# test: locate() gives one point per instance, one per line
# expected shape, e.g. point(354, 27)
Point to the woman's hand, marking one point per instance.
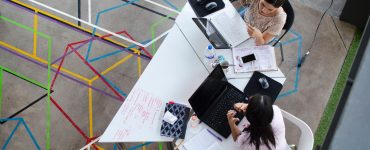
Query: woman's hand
point(241, 107)
point(230, 117)
point(235, 131)
point(254, 32)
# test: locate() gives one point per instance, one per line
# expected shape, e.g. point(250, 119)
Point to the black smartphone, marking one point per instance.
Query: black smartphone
point(248, 58)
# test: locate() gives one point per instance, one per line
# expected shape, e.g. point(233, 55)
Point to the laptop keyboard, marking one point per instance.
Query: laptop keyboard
point(217, 117)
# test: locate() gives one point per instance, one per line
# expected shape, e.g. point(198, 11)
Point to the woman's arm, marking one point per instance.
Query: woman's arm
point(235, 131)
point(266, 37)
point(261, 38)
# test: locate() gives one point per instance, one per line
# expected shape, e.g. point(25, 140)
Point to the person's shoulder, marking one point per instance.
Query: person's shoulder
point(276, 107)
point(281, 13)
point(277, 111)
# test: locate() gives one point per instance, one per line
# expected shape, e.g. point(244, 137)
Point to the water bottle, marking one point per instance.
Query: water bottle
point(209, 55)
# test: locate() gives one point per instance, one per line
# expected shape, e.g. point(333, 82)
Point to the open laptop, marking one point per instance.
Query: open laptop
point(213, 98)
point(222, 30)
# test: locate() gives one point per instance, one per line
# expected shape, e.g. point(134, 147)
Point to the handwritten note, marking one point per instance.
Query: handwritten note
point(265, 59)
point(140, 112)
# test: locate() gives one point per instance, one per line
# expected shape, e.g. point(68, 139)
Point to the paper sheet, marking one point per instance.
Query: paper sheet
point(139, 113)
point(265, 59)
point(203, 140)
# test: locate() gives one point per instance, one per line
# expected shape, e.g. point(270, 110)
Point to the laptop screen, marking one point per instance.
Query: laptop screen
point(211, 33)
point(208, 91)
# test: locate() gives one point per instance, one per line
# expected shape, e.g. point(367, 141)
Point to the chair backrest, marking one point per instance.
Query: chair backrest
point(290, 15)
point(306, 138)
point(289, 19)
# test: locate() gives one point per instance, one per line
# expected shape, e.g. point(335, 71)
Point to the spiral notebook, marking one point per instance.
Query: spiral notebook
point(265, 59)
point(202, 141)
point(178, 129)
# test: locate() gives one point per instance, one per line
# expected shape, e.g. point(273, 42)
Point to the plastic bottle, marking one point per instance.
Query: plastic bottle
point(209, 55)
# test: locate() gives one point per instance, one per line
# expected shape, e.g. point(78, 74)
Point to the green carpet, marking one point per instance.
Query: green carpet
point(331, 106)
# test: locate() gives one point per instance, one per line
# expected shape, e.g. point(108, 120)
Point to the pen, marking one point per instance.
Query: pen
point(215, 135)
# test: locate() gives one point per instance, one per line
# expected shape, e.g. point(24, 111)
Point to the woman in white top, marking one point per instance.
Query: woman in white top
point(265, 129)
point(265, 19)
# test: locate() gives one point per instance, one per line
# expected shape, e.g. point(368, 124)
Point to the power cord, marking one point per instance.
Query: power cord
point(314, 38)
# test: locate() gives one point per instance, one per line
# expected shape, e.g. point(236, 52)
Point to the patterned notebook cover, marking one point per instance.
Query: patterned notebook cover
point(178, 129)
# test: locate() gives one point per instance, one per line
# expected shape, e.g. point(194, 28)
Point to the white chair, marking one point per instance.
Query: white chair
point(306, 138)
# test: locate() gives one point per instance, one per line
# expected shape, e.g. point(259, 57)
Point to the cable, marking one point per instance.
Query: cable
point(340, 35)
point(314, 38)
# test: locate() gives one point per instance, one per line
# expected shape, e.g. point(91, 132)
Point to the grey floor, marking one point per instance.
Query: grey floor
point(316, 80)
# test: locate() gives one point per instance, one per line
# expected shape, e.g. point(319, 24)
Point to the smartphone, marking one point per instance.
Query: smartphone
point(248, 58)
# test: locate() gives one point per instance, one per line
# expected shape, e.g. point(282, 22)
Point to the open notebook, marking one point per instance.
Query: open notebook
point(202, 141)
point(265, 59)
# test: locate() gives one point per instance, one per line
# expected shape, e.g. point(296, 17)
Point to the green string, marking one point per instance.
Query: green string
point(160, 145)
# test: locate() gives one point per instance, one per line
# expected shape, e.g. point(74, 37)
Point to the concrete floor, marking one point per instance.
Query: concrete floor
point(317, 76)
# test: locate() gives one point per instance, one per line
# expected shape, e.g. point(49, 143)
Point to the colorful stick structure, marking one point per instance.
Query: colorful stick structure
point(138, 50)
point(59, 70)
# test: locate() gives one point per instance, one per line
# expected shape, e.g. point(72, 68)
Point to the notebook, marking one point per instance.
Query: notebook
point(202, 141)
point(265, 59)
point(178, 129)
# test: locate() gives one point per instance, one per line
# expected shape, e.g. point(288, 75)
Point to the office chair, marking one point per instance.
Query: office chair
point(288, 24)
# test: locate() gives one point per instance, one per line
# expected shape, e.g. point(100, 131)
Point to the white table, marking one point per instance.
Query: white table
point(174, 73)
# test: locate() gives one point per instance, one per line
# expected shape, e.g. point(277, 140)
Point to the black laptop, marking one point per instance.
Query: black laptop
point(214, 97)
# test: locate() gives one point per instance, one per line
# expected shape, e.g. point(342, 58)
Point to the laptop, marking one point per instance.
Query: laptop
point(214, 98)
point(222, 30)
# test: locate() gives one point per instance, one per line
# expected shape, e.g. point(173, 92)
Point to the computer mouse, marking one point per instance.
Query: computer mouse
point(263, 82)
point(210, 6)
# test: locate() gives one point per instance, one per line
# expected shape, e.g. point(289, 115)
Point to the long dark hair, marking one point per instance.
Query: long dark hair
point(259, 114)
point(276, 3)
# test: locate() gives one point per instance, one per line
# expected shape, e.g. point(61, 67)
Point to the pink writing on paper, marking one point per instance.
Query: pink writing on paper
point(140, 112)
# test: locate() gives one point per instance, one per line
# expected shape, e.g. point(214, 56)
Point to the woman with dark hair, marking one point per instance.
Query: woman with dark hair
point(265, 19)
point(265, 129)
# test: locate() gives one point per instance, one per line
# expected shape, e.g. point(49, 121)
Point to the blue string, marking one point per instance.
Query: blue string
point(116, 52)
point(114, 86)
point(169, 3)
point(296, 81)
point(29, 133)
point(97, 22)
point(140, 145)
point(20, 120)
point(11, 135)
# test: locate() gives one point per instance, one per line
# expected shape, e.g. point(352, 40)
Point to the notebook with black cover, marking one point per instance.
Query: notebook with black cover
point(178, 129)
point(213, 98)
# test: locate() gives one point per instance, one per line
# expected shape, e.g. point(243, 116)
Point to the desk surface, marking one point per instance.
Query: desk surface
point(167, 77)
point(174, 73)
